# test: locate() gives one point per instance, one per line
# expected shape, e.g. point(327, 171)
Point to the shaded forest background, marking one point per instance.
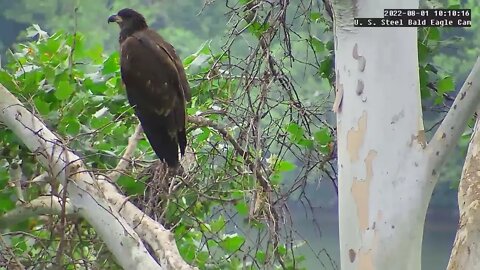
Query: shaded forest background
point(206, 29)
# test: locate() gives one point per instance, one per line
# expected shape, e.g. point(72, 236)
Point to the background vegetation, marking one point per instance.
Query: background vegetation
point(261, 72)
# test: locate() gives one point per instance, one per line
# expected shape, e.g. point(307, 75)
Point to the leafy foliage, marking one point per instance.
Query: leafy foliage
point(259, 134)
point(215, 208)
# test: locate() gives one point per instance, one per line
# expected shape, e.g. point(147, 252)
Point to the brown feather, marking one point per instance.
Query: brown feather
point(156, 85)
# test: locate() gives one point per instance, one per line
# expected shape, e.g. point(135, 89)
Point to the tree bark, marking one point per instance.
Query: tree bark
point(86, 194)
point(466, 247)
point(386, 169)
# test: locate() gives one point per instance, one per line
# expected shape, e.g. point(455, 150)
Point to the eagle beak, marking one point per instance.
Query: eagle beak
point(115, 18)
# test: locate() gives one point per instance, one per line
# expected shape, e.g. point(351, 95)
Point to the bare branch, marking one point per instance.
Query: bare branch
point(14, 262)
point(41, 179)
point(125, 160)
point(160, 240)
point(15, 178)
point(202, 121)
point(43, 205)
point(452, 127)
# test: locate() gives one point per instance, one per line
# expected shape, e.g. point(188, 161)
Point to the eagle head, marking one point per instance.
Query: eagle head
point(129, 21)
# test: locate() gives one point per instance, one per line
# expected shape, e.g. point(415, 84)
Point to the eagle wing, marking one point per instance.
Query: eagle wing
point(157, 87)
point(169, 50)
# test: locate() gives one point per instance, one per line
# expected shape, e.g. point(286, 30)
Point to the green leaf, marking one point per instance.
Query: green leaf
point(19, 243)
point(295, 131)
point(211, 244)
point(99, 122)
point(314, 16)
point(423, 52)
point(187, 251)
point(204, 135)
point(95, 87)
point(323, 136)
point(454, 6)
point(433, 33)
point(63, 90)
point(188, 60)
point(424, 92)
point(7, 80)
point(317, 45)
point(325, 69)
point(131, 186)
point(202, 257)
point(242, 208)
point(218, 224)
point(438, 100)
point(232, 243)
point(276, 178)
point(305, 143)
point(204, 49)
point(258, 29)
point(95, 53)
point(6, 203)
point(73, 127)
point(285, 166)
point(260, 256)
point(237, 194)
point(445, 85)
point(111, 65)
point(42, 106)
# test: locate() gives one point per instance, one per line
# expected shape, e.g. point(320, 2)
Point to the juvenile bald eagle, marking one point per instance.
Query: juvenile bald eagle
point(156, 84)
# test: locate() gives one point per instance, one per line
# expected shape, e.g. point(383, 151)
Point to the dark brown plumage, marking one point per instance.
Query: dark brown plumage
point(156, 84)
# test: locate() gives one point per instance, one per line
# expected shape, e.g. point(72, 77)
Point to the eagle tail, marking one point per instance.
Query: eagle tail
point(157, 129)
point(182, 141)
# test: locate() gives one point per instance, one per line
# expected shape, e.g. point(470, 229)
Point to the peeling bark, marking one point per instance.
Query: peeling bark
point(88, 197)
point(466, 248)
point(386, 168)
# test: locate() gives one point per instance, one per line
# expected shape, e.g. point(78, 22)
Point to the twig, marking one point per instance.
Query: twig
point(119, 237)
point(4, 246)
point(202, 121)
point(43, 205)
point(127, 156)
point(160, 239)
point(15, 180)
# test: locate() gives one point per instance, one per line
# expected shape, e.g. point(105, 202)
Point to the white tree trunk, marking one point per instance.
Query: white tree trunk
point(88, 197)
point(466, 249)
point(386, 169)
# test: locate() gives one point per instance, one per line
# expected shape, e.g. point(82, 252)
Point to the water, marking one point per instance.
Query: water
point(439, 234)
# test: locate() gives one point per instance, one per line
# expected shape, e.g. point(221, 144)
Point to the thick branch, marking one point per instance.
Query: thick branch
point(82, 189)
point(125, 160)
point(15, 179)
point(452, 127)
point(160, 240)
point(44, 205)
point(466, 246)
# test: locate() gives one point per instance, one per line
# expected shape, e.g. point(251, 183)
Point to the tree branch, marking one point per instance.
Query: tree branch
point(43, 205)
point(202, 121)
point(125, 160)
point(465, 248)
point(15, 179)
point(160, 240)
point(83, 191)
point(452, 127)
